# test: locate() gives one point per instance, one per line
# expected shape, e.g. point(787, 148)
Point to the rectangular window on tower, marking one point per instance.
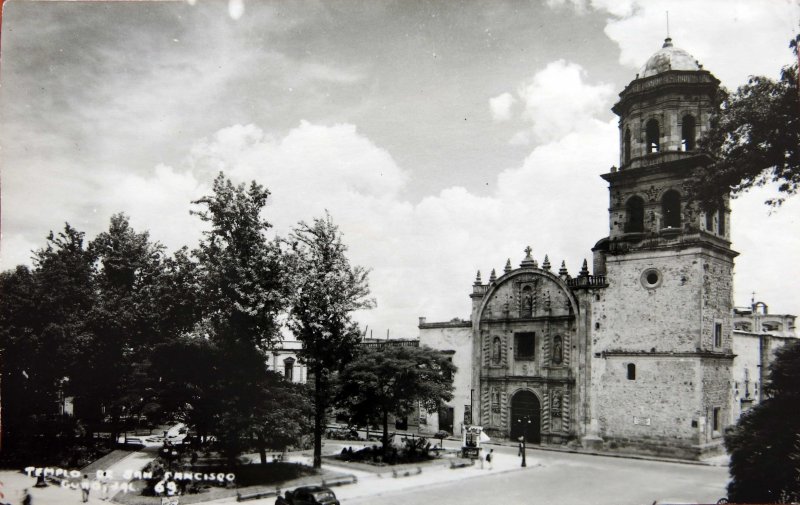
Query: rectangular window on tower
point(717, 334)
point(525, 346)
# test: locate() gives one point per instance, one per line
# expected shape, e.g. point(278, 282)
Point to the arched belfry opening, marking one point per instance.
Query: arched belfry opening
point(653, 134)
point(526, 417)
point(671, 209)
point(688, 140)
point(626, 146)
point(634, 212)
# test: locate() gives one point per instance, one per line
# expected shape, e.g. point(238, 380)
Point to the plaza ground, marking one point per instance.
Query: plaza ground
point(550, 477)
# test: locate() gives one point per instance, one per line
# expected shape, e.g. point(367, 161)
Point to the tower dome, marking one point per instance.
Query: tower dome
point(669, 57)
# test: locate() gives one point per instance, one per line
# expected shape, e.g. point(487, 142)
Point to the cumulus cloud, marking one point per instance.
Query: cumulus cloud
point(501, 106)
point(521, 138)
point(235, 8)
point(557, 100)
point(635, 26)
point(769, 250)
point(424, 255)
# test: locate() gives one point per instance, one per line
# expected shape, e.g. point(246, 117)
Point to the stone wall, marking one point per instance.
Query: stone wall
point(717, 302)
point(656, 409)
point(746, 373)
point(632, 317)
point(451, 336)
point(717, 392)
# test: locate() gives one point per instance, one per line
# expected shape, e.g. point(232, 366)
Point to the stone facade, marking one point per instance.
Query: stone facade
point(637, 356)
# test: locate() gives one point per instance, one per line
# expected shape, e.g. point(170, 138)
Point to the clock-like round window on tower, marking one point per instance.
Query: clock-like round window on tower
point(651, 278)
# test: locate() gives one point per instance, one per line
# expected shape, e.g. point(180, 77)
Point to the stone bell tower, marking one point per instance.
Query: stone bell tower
point(661, 331)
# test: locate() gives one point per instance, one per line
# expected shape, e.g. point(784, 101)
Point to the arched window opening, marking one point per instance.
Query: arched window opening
point(626, 146)
point(631, 372)
point(710, 213)
point(671, 209)
point(688, 133)
point(634, 212)
point(721, 221)
point(653, 136)
point(288, 369)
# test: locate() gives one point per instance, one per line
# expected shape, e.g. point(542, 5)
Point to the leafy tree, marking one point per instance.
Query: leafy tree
point(283, 416)
point(42, 332)
point(394, 380)
point(327, 290)
point(241, 283)
point(755, 138)
point(765, 443)
point(124, 320)
point(242, 274)
point(189, 387)
point(231, 395)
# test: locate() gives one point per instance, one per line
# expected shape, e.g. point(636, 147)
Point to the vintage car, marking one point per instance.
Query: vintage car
point(308, 495)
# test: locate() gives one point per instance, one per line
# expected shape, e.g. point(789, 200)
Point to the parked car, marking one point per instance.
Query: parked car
point(343, 433)
point(308, 495)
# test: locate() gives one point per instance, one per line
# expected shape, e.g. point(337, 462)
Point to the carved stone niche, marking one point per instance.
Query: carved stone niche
point(527, 290)
point(556, 402)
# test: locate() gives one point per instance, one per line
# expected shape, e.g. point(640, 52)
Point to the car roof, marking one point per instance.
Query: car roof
point(312, 488)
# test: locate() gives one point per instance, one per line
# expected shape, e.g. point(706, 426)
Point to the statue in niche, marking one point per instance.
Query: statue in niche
point(558, 353)
point(495, 400)
point(496, 351)
point(555, 406)
point(527, 302)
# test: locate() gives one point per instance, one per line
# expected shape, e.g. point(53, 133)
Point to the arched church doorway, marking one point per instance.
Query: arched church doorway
point(526, 417)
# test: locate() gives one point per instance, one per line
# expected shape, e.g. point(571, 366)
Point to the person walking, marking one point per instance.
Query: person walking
point(85, 487)
point(489, 458)
point(104, 486)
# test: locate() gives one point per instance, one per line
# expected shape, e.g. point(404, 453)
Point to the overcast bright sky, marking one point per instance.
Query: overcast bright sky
point(442, 136)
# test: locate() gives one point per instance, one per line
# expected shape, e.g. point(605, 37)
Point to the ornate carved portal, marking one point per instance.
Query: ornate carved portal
point(526, 417)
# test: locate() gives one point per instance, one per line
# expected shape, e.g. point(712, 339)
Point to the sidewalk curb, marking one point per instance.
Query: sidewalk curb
point(607, 454)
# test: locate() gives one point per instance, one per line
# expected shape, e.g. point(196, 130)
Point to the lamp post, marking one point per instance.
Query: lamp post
point(525, 421)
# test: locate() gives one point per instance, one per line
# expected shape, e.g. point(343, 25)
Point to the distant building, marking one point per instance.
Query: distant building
point(286, 362)
point(757, 334)
point(639, 354)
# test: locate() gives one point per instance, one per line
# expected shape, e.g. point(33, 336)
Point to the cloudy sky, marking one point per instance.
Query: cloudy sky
point(442, 136)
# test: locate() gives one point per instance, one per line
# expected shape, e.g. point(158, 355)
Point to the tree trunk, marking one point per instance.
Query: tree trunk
point(262, 449)
point(319, 416)
point(385, 432)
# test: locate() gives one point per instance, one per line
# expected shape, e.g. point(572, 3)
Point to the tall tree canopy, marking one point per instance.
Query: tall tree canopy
point(395, 380)
point(755, 138)
point(42, 332)
point(123, 322)
point(765, 444)
point(243, 285)
point(326, 292)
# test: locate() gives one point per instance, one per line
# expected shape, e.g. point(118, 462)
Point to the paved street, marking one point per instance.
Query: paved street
point(552, 477)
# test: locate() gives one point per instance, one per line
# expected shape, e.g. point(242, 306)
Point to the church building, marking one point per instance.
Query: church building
point(638, 354)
